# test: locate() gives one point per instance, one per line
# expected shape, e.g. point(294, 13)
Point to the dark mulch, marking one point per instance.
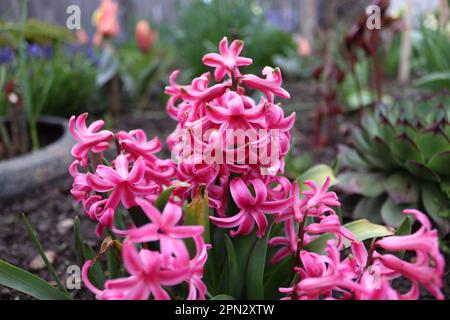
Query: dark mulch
point(45, 208)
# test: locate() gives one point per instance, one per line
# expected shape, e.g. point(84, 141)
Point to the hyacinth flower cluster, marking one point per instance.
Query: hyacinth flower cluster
point(230, 148)
point(227, 140)
point(133, 179)
point(361, 274)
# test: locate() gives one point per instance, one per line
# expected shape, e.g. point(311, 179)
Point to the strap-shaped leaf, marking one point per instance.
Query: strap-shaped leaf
point(40, 249)
point(256, 267)
point(28, 283)
point(361, 229)
point(234, 276)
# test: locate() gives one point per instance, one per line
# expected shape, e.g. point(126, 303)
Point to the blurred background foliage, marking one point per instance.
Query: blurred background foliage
point(235, 19)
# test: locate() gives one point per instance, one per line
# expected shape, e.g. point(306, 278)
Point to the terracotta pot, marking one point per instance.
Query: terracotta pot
point(31, 170)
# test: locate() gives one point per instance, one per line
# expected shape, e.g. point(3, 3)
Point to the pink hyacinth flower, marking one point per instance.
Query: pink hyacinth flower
point(317, 200)
point(164, 228)
point(228, 61)
point(338, 277)
point(233, 115)
point(424, 240)
point(148, 274)
point(80, 188)
point(135, 142)
point(275, 118)
point(313, 265)
point(430, 264)
point(125, 185)
point(88, 138)
point(331, 224)
point(270, 86)
point(419, 271)
point(197, 288)
point(289, 242)
point(252, 208)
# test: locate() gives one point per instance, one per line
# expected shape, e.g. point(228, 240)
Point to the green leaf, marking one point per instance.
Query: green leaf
point(362, 183)
point(197, 213)
point(234, 276)
point(138, 216)
point(384, 152)
point(440, 163)
point(350, 158)
point(28, 283)
point(113, 259)
point(78, 241)
point(223, 297)
point(435, 202)
point(369, 208)
point(108, 66)
point(402, 188)
point(85, 252)
point(431, 142)
point(404, 230)
point(360, 141)
point(406, 149)
point(420, 170)
point(392, 213)
point(356, 99)
point(256, 267)
point(318, 174)
point(38, 246)
point(163, 198)
point(243, 246)
point(96, 274)
point(434, 80)
point(361, 229)
point(278, 276)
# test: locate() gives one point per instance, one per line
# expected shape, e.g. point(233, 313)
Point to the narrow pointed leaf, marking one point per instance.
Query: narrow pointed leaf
point(256, 267)
point(28, 283)
point(361, 229)
point(40, 249)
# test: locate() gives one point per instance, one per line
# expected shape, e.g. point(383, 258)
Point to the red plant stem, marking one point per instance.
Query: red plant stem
point(300, 243)
point(300, 236)
point(370, 254)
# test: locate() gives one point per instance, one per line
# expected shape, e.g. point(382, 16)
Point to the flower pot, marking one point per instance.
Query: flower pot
point(31, 170)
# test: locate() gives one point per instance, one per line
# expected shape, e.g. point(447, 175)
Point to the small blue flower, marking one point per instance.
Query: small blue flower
point(34, 51)
point(48, 52)
point(6, 55)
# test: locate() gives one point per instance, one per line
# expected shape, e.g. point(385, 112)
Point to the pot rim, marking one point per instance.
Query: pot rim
point(44, 152)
